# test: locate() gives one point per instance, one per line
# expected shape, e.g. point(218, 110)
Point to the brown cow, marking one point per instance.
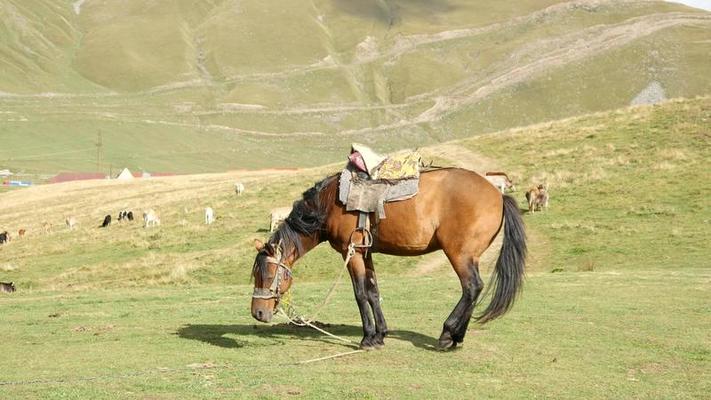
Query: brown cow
point(537, 198)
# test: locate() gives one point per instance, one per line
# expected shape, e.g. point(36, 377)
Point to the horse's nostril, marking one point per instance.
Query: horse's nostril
point(259, 314)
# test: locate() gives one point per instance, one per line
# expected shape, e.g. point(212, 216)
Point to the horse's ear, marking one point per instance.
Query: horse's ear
point(258, 245)
point(271, 249)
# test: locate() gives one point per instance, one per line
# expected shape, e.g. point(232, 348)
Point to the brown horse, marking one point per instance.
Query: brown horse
point(456, 210)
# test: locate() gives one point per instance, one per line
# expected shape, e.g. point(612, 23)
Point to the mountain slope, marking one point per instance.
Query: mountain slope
point(187, 87)
point(617, 202)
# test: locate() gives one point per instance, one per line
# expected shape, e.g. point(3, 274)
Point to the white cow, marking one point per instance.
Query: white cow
point(209, 215)
point(278, 215)
point(239, 188)
point(71, 222)
point(150, 218)
point(500, 180)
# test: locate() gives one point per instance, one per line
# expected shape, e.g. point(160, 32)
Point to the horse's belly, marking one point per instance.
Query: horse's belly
point(404, 239)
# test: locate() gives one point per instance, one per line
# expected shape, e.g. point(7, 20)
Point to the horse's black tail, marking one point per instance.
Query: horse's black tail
point(509, 271)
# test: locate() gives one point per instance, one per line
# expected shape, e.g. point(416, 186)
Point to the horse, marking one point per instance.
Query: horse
point(46, 227)
point(209, 215)
point(4, 237)
point(129, 215)
point(276, 216)
point(239, 188)
point(455, 210)
point(71, 222)
point(21, 233)
point(150, 218)
point(107, 221)
point(500, 180)
point(7, 287)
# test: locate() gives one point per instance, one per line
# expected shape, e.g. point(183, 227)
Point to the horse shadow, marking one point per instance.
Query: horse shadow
point(217, 335)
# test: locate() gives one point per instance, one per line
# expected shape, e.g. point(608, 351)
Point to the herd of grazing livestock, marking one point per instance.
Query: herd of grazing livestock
point(150, 218)
point(536, 197)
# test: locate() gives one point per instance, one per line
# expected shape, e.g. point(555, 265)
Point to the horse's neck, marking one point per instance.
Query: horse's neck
point(307, 243)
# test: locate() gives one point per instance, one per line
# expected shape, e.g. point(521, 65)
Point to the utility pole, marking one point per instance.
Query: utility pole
point(99, 151)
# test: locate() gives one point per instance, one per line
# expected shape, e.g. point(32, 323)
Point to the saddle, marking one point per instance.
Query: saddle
point(369, 180)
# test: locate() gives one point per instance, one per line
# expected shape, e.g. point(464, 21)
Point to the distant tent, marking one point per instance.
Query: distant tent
point(5, 172)
point(125, 175)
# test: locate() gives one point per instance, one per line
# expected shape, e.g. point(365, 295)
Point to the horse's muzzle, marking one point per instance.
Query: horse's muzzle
point(262, 315)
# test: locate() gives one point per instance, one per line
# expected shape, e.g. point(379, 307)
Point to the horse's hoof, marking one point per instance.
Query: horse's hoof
point(368, 344)
point(444, 345)
point(367, 347)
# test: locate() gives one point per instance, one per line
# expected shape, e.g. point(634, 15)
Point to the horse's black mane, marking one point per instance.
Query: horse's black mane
point(306, 218)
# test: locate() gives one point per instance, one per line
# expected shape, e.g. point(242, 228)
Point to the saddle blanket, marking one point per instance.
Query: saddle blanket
point(360, 194)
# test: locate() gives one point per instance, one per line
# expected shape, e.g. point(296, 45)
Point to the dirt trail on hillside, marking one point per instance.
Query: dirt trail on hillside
point(553, 53)
point(526, 63)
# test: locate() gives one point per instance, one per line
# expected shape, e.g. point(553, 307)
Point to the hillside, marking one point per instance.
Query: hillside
point(620, 199)
point(616, 288)
point(217, 85)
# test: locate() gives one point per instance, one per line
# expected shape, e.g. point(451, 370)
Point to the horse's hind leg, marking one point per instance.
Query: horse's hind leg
point(373, 294)
point(455, 327)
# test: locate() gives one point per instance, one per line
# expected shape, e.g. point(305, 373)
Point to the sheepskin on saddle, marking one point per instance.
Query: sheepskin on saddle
point(370, 180)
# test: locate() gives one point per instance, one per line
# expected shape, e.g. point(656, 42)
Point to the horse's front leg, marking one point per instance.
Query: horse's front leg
point(371, 283)
point(356, 268)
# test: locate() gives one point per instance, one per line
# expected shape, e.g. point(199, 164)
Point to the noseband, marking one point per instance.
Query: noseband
point(273, 291)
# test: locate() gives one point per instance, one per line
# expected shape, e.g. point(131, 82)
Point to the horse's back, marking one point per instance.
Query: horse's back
point(452, 205)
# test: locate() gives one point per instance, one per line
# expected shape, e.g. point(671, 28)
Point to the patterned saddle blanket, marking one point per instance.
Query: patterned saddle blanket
point(368, 189)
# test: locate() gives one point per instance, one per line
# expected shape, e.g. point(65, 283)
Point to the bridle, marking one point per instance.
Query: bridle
point(273, 291)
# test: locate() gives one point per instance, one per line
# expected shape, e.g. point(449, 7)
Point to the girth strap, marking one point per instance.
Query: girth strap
point(362, 221)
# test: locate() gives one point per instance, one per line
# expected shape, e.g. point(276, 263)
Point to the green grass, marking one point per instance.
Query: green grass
point(628, 189)
point(630, 334)
point(615, 305)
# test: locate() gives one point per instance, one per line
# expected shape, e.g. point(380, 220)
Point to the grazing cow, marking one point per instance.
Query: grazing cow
point(209, 215)
point(71, 222)
point(150, 218)
point(107, 221)
point(537, 198)
point(500, 180)
point(129, 215)
point(7, 287)
point(4, 237)
point(278, 215)
point(21, 232)
point(46, 226)
point(239, 188)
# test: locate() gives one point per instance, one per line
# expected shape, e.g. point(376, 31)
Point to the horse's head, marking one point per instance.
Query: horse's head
point(272, 279)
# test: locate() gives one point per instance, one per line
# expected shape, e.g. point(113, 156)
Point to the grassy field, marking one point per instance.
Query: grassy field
point(212, 86)
point(622, 334)
point(616, 303)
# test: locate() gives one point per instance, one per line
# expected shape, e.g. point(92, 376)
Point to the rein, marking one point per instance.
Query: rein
point(273, 291)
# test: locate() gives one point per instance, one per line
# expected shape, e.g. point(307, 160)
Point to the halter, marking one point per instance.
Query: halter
point(273, 291)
